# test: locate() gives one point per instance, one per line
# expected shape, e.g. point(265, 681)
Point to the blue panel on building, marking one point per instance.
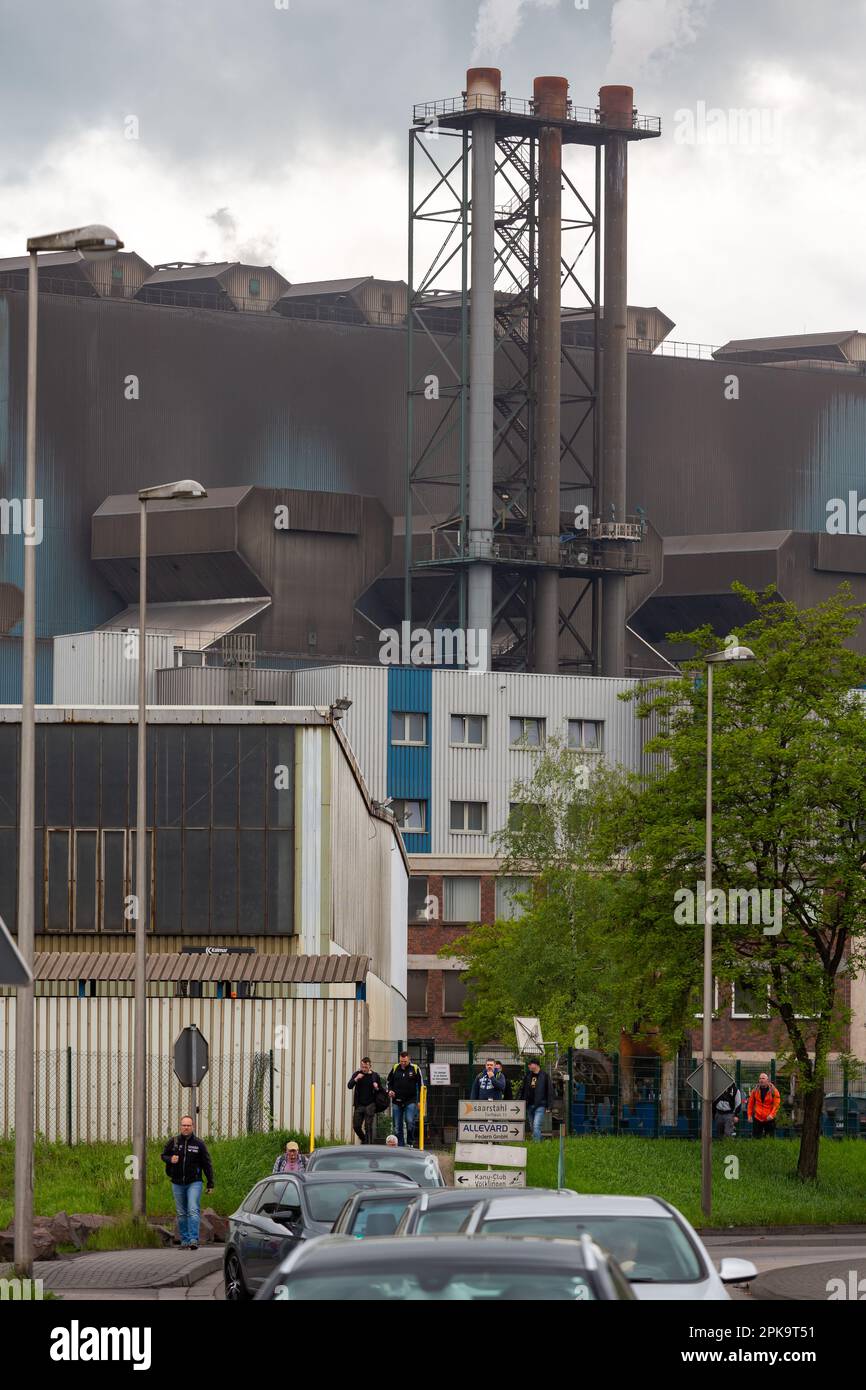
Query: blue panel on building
point(410, 690)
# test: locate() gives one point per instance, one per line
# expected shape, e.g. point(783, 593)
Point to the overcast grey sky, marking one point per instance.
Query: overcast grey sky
point(276, 130)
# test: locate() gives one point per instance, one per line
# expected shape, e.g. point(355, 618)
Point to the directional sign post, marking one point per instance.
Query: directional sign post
point(510, 1110)
point(484, 1177)
point(191, 1062)
point(14, 970)
point(497, 1131)
point(490, 1153)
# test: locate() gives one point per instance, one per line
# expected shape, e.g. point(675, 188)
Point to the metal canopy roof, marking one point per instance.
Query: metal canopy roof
point(195, 624)
point(171, 967)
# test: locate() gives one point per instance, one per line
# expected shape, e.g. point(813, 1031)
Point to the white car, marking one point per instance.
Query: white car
point(655, 1247)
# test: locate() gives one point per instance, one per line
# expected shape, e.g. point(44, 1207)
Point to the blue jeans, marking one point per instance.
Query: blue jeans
point(410, 1110)
point(536, 1119)
point(187, 1202)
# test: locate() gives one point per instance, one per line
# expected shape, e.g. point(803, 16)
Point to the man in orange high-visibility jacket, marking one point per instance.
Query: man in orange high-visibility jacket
point(763, 1107)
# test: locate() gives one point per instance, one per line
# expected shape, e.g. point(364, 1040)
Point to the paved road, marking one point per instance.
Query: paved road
point(796, 1266)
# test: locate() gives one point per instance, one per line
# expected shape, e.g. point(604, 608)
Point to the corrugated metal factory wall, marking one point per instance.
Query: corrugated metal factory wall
point(313, 1040)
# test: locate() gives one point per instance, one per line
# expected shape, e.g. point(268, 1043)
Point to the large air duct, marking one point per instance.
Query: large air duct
point(550, 96)
point(483, 87)
point(616, 107)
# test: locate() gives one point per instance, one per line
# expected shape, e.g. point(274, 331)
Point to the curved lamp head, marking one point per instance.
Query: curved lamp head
point(170, 492)
point(94, 241)
point(731, 654)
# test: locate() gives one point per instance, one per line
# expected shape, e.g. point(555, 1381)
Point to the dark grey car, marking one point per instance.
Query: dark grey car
point(419, 1164)
point(443, 1213)
point(282, 1212)
point(483, 1269)
point(373, 1212)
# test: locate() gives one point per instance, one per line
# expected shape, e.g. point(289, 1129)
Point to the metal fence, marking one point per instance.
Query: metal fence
point(639, 1096)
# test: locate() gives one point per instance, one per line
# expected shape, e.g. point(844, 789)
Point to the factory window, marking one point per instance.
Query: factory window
point(453, 991)
point(255, 287)
point(470, 816)
point(416, 991)
point(408, 728)
point(410, 815)
point(462, 899)
point(750, 1000)
point(387, 302)
point(506, 908)
point(468, 730)
point(586, 733)
point(525, 733)
point(641, 327)
point(420, 910)
point(523, 815)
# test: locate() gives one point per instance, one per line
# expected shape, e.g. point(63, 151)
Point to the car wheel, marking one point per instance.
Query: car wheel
point(236, 1289)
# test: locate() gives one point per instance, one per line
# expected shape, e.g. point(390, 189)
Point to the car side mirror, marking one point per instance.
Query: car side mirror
point(286, 1216)
point(736, 1271)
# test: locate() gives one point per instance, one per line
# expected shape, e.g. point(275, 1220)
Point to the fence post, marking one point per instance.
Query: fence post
point(616, 1106)
point(658, 1103)
point(845, 1101)
point(570, 1097)
point(271, 1088)
point(69, 1095)
point(470, 1061)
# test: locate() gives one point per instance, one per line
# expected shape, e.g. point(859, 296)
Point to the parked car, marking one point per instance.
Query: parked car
point(652, 1242)
point(373, 1211)
point(484, 1269)
point(282, 1213)
point(421, 1166)
point(443, 1213)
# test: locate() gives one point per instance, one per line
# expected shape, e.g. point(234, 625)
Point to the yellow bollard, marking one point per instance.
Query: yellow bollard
point(312, 1116)
point(422, 1114)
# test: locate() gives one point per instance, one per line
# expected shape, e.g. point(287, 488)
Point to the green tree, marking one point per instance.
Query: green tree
point(612, 861)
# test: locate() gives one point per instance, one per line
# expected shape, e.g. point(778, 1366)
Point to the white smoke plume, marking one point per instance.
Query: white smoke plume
point(644, 30)
point(255, 251)
point(497, 23)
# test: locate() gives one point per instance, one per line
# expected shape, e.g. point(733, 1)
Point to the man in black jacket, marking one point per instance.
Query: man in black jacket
point(537, 1091)
point(404, 1087)
point(365, 1082)
point(186, 1157)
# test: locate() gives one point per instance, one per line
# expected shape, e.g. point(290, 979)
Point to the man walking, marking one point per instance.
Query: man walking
point(763, 1107)
point(186, 1157)
point(404, 1087)
point(488, 1084)
point(365, 1083)
point(537, 1091)
point(726, 1110)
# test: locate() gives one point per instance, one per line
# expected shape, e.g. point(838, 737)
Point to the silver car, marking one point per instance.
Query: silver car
point(655, 1247)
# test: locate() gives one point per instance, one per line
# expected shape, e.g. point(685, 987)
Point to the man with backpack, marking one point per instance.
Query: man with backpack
point(763, 1107)
point(488, 1084)
point(404, 1087)
point(367, 1086)
point(726, 1111)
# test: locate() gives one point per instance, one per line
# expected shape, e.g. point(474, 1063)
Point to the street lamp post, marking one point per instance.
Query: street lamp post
point(732, 653)
point(165, 492)
point(93, 241)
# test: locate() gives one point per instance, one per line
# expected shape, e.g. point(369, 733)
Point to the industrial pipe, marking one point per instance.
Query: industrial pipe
point(550, 96)
point(483, 87)
point(616, 105)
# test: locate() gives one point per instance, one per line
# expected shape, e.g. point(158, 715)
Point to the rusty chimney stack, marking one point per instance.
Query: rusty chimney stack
point(616, 106)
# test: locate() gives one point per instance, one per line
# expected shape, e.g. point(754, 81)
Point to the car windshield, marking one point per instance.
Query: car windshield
point(378, 1218)
point(325, 1200)
point(651, 1248)
point(436, 1282)
point(439, 1220)
point(422, 1170)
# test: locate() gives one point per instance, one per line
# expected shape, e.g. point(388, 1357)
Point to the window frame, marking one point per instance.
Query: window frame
point(410, 1010)
point(406, 715)
point(522, 743)
point(459, 878)
point(464, 829)
point(414, 801)
point(446, 974)
point(465, 742)
point(583, 747)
